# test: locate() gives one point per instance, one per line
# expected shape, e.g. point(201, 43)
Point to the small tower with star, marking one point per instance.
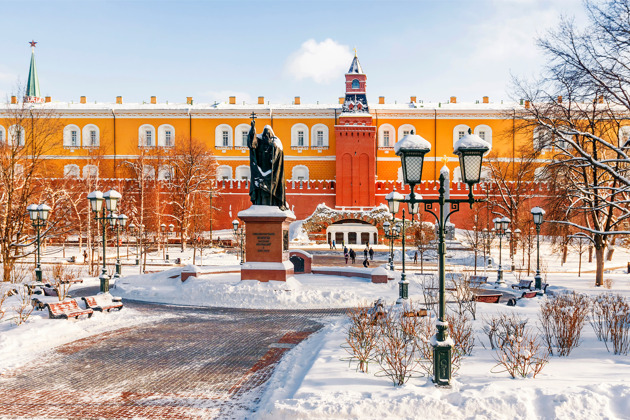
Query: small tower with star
point(32, 87)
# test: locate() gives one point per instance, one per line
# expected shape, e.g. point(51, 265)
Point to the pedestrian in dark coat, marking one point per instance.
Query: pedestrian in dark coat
point(371, 254)
point(353, 255)
point(366, 263)
point(365, 252)
point(415, 257)
point(345, 254)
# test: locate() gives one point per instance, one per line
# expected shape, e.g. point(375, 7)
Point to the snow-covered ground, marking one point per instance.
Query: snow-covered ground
point(312, 380)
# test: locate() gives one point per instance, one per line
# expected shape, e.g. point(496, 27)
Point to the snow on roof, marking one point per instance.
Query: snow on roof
point(394, 195)
point(412, 141)
point(265, 211)
point(445, 171)
point(471, 141)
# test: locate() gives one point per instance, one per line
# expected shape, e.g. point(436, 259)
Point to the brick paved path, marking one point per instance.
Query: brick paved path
point(203, 363)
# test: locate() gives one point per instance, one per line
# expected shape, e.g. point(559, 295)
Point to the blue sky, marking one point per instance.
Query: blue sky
point(277, 49)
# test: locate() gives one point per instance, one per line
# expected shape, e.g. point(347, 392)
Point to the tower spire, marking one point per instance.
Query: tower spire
point(32, 87)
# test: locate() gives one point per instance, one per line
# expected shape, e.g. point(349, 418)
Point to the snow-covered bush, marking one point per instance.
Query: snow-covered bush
point(463, 296)
point(610, 318)
point(520, 354)
point(562, 318)
point(61, 274)
point(24, 307)
point(396, 348)
point(362, 335)
point(429, 285)
point(499, 327)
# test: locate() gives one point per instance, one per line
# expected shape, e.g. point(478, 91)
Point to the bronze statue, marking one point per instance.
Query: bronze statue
point(266, 163)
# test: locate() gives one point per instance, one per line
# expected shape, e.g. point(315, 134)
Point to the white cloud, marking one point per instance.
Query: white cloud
point(323, 62)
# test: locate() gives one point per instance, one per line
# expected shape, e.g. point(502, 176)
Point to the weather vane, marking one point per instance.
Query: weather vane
point(445, 159)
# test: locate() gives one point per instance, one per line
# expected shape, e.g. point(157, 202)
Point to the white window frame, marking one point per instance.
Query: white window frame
point(240, 135)
point(300, 171)
point(87, 136)
point(12, 133)
point(381, 135)
point(316, 128)
point(538, 133)
point(3, 134)
point(624, 136)
point(90, 171)
point(456, 132)
point(242, 171)
point(71, 171)
point(165, 173)
point(67, 136)
point(218, 136)
point(162, 135)
point(406, 127)
point(487, 130)
point(142, 137)
point(295, 129)
point(222, 171)
point(148, 172)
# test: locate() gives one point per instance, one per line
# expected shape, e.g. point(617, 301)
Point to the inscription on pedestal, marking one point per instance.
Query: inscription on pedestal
point(263, 241)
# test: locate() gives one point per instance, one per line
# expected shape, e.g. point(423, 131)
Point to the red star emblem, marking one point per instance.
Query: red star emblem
point(32, 43)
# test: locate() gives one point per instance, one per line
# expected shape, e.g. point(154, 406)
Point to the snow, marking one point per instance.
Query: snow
point(394, 195)
point(471, 141)
point(412, 141)
point(265, 211)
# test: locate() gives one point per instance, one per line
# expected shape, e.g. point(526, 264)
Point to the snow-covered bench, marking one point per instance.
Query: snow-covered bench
point(66, 310)
point(103, 302)
point(477, 281)
point(523, 284)
point(489, 298)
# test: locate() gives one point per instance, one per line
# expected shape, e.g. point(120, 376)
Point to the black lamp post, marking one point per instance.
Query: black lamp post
point(163, 234)
point(538, 214)
point(501, 229)
point(38, 215)
point(239, 236)
point(96, 199)
point(514, 248)
point(171, 227)
point(118, 221)
point(412, 149)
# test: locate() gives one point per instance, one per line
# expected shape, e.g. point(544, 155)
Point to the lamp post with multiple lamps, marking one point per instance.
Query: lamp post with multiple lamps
point(118, 221)
point(96, 199)
point(239, 236)
point(501, 229)
point(538, 214)
point(38, 215)
point(392, 231)
point(412, 149)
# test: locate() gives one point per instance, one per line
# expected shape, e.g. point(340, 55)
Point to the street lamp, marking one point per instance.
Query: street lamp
point(163, 232)
point(514, 248)
point(171, 227)
point(537, 214)
point(501, 230)
point(393, 203)
point(118, 221)
point(38, 215)
point(412, 148)
point(237, 234)
point(96, 199)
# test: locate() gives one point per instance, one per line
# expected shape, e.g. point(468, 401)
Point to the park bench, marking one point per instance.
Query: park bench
point(489, 298)
point(529, 294)
point(66, 310)
point(71, 281)
point(103, 302)
point(477, 281)
point(523, 284)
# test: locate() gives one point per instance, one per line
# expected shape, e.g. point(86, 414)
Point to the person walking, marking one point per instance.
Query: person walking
point(366, 263)
point(85, 255)
point(330, 244)
point(353, 255)
point(334, 245)
point(415, 257)
point(365, 252)
point(345, 254)
point(371, 254)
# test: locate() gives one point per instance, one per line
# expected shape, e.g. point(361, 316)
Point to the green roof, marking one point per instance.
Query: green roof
point(32, 88)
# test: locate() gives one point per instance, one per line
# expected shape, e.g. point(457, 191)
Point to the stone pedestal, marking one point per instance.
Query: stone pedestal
point(267, 243)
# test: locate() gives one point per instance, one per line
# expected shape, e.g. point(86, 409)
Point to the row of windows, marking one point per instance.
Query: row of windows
point(15, 135)
point(387, 133)
point(91, 171)
point(73, 136)
point(224, 172)
point(301, 136)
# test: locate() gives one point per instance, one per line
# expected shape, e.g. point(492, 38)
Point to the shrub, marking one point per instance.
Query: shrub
point(520, 354)
point(24, 306)
point(361, 337)
point(562, 318)
point(499, 327)
point(463, 296)
point(610, 318)
point(608, 283)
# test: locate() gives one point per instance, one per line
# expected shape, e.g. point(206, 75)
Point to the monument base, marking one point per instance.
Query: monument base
point(266, 243)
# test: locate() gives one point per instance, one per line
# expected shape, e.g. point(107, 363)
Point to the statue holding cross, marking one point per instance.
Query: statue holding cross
point(266, 163)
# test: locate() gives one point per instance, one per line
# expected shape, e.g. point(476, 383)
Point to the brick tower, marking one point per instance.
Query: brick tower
point(356, 144)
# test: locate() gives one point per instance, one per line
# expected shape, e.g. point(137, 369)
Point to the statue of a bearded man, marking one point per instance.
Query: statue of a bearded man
point(266, 163)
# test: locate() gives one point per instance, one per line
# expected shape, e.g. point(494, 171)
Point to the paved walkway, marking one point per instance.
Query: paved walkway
point(203, 363)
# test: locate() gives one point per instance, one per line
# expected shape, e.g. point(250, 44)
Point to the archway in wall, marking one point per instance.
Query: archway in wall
point(352, 232)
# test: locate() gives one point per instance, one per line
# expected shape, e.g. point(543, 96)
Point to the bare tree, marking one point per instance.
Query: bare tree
point(578, 111)
point(423, 234)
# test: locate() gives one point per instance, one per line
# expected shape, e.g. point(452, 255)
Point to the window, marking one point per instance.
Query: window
point(240, 135)
point(224, 172)
point(355, 84)
point(71, 171)
point(624, 136)
point(166, 136)
point(301, 138)
point(71, 136)
point(242, 172)
point(146, 136)
point(406, 133)
point(299, 173)
point(320, 135)
point(460, 131)
point(90, 171)
point(386, 139)
point(148, 172)
point(320, 138)
point(460, 134)
point(165, 173)
point(482, 135)
point(90, 136)
point(386, 135)
point(406, 129)
point(2, 135)
point(223, 136)
point(299, 135)
point(244, 139)
point(485, 132)
point(542, 139)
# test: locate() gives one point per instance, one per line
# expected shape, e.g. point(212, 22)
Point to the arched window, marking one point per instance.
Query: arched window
point(542, 139)
point(224, 172)
point(3, 135)
point(405, 129)
point(485, 132)
point(148, 172)
point(166, 135)
point(299, 173)
point(386, 135)
point(17, 135)
point(355, 84)
point(71, 171)
point(71, 136)
point(459, 131)
point(146, 136)
point(91, 136)
point(240, 135)
point(486, 174)
point(457, 175)
point(624, 136)
point(319, 136)
point(299, 135)
point(242, 172)
point(540, 175)
point(223, 136)
point(19, 170)
point(165, 173)
point(90, 171)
